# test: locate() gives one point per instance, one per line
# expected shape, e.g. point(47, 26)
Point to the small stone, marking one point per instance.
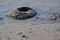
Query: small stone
point(23, 36)
point(22, 13)
point(53, 17)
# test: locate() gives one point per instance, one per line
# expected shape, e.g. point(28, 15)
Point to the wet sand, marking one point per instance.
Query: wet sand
point(36, 28)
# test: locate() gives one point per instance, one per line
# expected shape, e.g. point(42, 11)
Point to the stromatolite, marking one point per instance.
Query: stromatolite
point(22, 13)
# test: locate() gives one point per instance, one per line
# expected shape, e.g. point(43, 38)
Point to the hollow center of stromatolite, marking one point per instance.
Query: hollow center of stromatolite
point(24, 9)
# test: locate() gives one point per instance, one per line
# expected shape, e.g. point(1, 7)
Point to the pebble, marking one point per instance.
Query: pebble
point(24, 36)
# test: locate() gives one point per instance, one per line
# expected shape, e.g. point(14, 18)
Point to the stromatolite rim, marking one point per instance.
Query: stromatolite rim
point(23, 13)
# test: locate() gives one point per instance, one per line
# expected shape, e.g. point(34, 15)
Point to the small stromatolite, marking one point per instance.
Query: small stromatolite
point(55, 16)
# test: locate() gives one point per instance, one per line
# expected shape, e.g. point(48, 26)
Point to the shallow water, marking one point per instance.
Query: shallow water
point(10, 27)
point(44, 8)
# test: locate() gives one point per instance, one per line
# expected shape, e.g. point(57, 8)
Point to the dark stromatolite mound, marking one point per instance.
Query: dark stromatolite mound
point(22, 13)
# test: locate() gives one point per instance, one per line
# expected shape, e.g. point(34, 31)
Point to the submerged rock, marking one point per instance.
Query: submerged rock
point(22, 13)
